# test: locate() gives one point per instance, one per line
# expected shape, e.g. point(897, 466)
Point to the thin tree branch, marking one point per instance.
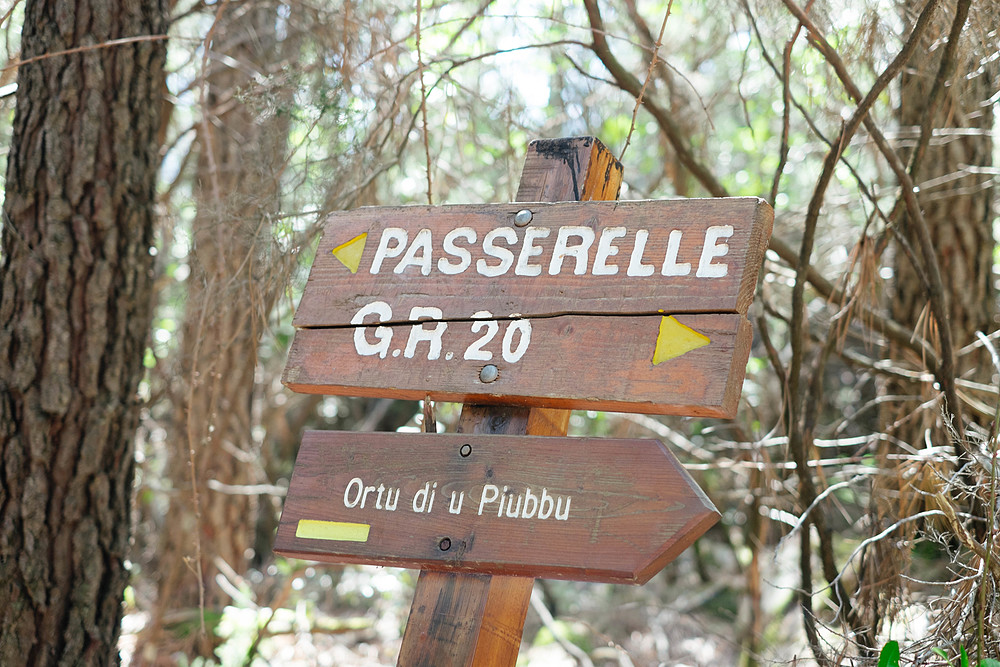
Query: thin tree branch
point(111, 43)
point(630, 84)
point(883, 324)
point(649, 75)
point(801, 406)
point(423, 107)
point(946, 70)
point(207, 143)
point(786, 112)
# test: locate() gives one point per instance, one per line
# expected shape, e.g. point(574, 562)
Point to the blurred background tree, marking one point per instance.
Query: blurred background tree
point(856, 482)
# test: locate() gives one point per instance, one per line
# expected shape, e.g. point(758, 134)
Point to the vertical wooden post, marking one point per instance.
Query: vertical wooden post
point(476, 619)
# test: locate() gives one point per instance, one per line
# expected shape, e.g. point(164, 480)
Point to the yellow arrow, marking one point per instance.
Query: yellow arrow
point(676, 339)
point(350, 253)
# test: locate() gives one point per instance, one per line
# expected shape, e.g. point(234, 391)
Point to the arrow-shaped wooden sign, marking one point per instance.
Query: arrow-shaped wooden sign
point(626, 306)
point(568, 508)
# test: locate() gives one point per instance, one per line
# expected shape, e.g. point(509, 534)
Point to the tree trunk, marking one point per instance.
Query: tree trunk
point(956, 198)
point(75, 292)
point(234, 280)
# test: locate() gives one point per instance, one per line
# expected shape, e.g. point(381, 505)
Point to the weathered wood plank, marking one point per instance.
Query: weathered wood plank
point(503, 620)
point(445, 620)
point(569, 362)
point(589, 509)
point(571, 169)
point(465, 619)
point(450, 262)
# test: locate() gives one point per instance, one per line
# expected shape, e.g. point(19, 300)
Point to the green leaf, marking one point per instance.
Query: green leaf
point(963, 658)
point(889, 657)
point(941, 653)
point(989, 662)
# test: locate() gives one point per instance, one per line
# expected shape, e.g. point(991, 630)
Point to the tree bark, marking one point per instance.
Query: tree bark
point(952, 170)
point(75, 292)
point(956, 195)
point(235, 278)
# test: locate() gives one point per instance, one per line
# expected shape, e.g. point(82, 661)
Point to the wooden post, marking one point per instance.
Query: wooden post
point(476, 619)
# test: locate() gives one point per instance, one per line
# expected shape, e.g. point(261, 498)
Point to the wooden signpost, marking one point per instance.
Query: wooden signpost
point(521, 311)
point(592, 509)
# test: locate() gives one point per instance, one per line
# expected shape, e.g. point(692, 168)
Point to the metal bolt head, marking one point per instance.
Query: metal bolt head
point(444, 544)
point(522, 218)
point(489, 373)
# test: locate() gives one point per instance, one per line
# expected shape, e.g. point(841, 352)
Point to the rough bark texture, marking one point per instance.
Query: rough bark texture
point(956, 196)
point(75, 288)
point(232, 287)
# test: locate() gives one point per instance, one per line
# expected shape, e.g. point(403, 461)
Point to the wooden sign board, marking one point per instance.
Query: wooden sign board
point(609, 258)
point(625, 306)
point(685, 364)
point(567, 508)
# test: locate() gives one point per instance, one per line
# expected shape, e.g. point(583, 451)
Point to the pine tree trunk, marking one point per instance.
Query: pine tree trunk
point(75, 292)
point(234, 281)
point(956, 196)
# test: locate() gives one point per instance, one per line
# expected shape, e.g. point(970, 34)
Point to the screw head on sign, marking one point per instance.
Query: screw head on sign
point(465, 450)
point(444, 544)
point(489, 373)
point(522, 218)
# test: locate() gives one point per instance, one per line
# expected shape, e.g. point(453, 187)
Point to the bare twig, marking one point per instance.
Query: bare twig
point(247, 489)
point(478, 14)
point(7, 14)
point(786, 110)
point(549, 622)
point(423, 107)
point(992, 469)
point(649, 75)
point(800, 405)
point(946, 70)
point(111, 43)
point(630, 84)
point(889, 531)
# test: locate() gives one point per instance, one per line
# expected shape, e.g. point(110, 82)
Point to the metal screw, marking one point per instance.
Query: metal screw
point(444, 544)
point(465, 450)
point(489, 373)
point(522, 218)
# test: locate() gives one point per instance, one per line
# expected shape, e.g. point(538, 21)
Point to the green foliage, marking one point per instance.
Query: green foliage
point(889, 657)
point(963, 658)
point(575, 633)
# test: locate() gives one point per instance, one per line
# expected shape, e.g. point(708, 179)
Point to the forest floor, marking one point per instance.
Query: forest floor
point(351, 616)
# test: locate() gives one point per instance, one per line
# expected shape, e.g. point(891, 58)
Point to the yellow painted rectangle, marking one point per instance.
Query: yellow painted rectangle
point(338, 531)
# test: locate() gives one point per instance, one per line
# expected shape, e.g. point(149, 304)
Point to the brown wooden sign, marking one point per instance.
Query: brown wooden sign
point(402, 264)
point(625, 306)
point(568, 508)
point(684, 364)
